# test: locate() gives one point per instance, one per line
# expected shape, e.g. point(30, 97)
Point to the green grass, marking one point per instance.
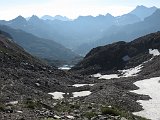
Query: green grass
point(32, 104)
point(110, 111)
point(117, 112)
point(90, 115)
point(49, 119)
point(2, 107)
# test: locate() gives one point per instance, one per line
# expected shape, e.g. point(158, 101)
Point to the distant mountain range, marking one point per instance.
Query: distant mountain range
point(40, 47)
point(125, 32)
point(57, 17)
point(86, 32)
point(70, 33)
point(143, 12)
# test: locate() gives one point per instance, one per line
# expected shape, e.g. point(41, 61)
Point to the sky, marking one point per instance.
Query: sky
point(10, 9)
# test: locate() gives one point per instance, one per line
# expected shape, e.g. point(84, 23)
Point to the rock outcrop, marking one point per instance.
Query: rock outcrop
point(118, 55)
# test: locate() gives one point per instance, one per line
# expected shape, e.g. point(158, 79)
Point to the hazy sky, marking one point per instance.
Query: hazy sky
point(71, 8)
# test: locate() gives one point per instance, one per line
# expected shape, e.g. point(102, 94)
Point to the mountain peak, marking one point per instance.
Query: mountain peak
point(143, 11)
point(144, 7)
point(34, 18)
point(19, 19)
point(57, 17)
point(140, 6)
point(109, 15)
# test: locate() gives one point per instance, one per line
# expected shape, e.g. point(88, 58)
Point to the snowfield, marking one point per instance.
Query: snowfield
point(128, 72)
point(81, 94)
point(150, 87)
point(109, 76)
point(57, 95)
point(154, 52)
point(124, 73)
point(131, 72)
point(80, 85)
point(151, 107)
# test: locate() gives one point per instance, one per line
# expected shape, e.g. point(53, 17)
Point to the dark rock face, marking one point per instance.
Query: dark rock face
point(118, 55)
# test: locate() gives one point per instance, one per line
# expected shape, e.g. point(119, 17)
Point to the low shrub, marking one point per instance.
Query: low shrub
point(110, 111)
point(90, 115)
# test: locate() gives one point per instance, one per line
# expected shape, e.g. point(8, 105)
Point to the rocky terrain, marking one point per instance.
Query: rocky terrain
point(26, 81)
point(24, 78)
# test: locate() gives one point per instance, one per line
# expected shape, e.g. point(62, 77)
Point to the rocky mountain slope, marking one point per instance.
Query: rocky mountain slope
point(39, 47)
point(26, 81)
point(122, 68)
point(119, 55)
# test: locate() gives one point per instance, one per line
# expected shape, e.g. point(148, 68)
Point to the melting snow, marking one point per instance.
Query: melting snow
point(18, 111)
point(70, 117)
point(154, 52)
point(80, 85)
point(57, 117)
point(96, 75)
point(65, 67)
point(57, 95)
point(128, 72)
point(151, 107)
point(81, 94)
point(108, 76)
point(125, 73)
point(37, 84)
point(13, 102)
point(131, 72)
point(99, 76)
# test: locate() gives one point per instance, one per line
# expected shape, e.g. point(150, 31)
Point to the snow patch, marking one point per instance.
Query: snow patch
point(80, 85)
point(57, 117)
point(13, 102)
point(37, 84)
point(70, 117)
point(128, 72)
point(131, 72)
point(18, 111)
point(125, 73)
point(109, 76)
point(96, 75)
point(57, 95)
point(154, 52)
point(151, 107)
point(65, 67)
point(81, 94)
